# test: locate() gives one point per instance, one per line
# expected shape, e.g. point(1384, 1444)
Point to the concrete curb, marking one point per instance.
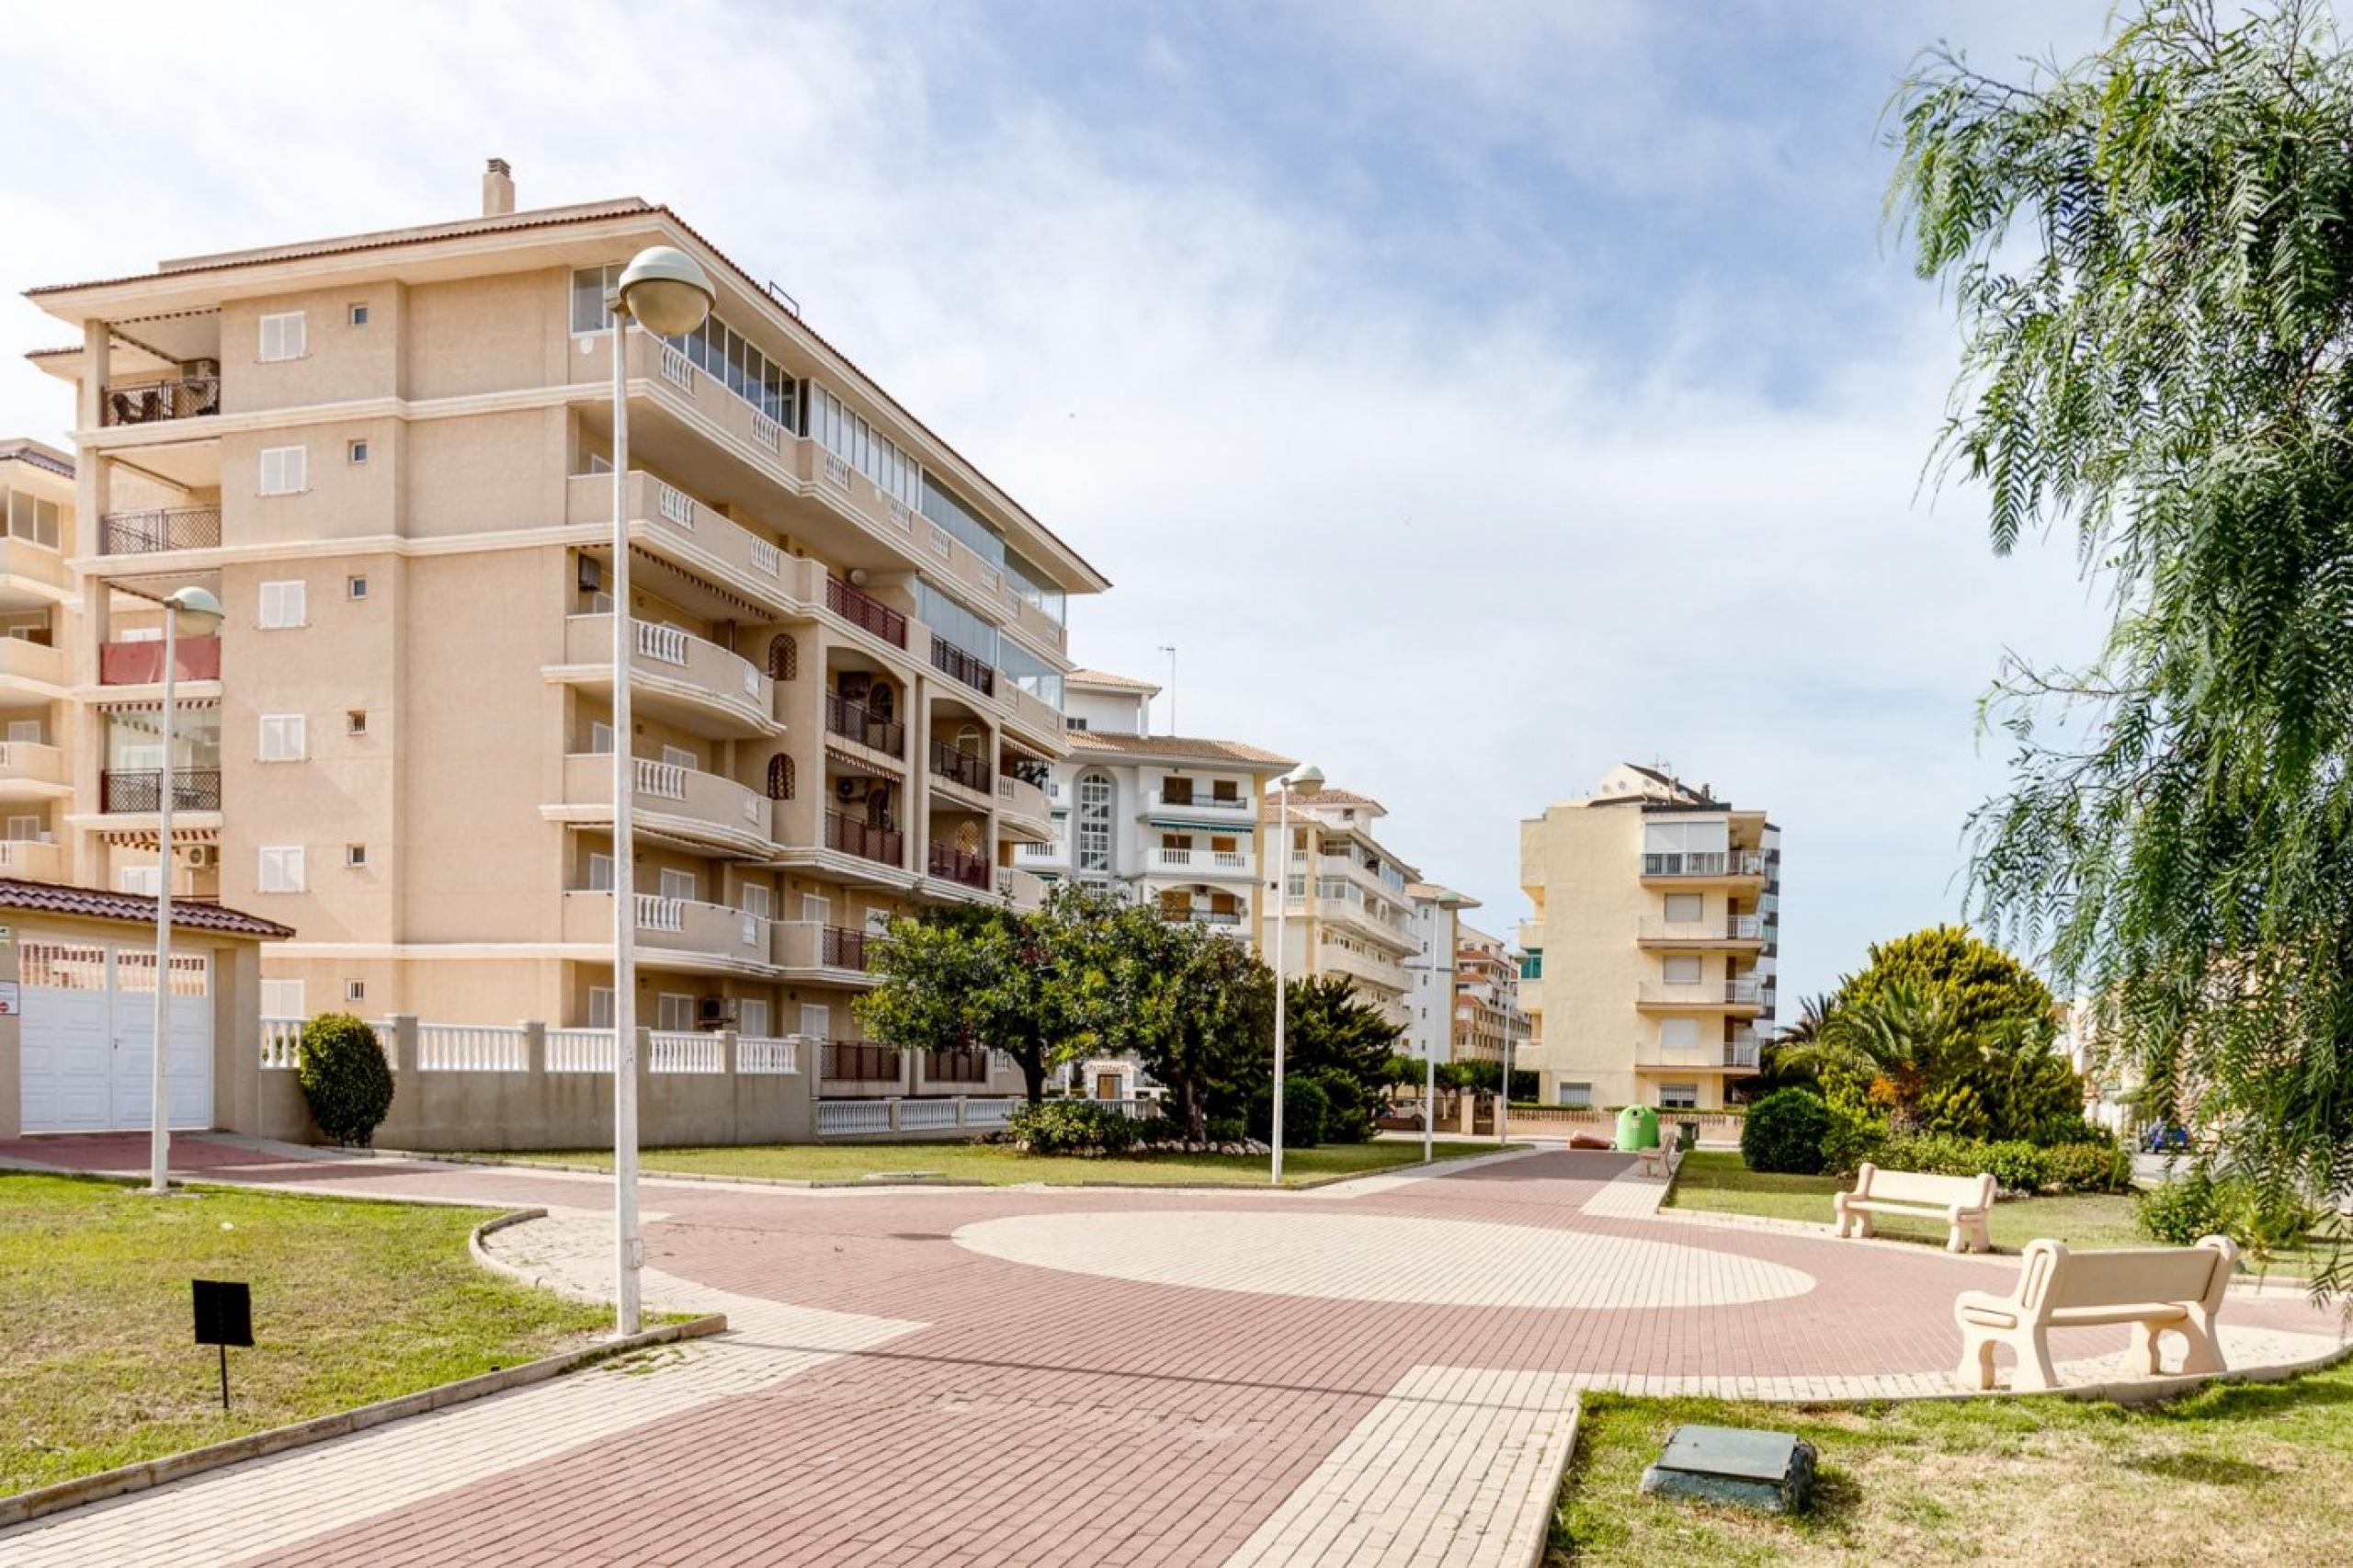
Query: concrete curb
point(148, 1473)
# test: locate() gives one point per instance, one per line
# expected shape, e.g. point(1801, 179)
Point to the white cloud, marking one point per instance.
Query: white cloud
point(1460, 558)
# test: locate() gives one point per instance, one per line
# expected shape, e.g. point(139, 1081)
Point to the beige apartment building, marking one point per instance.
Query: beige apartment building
point(1487, 1020)
point(39, 613)
point(1649, 964)
point(1350, 909)
point(389, 454)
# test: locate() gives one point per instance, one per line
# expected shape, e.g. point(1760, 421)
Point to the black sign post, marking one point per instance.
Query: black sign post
point(225, 1316)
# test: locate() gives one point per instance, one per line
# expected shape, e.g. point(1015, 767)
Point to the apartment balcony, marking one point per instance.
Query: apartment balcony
point(969, 777)
point(854, 722)
point(865, 612)
point(153, 402)
point(851, 835)
point(673, 933)
point(1240, 812)
point(694, 684)
point(1744, 867)
point(141, 663)
point(1223, 865)
point(30, 771)
point(32, 859)
point(1738, 933)
point(1733, 1056)
point(811, 950)
point(1231, 923)
point(1387, 929)
point(31, 575)
point(1041, 719)
point(952, 865)
point(1745, 996)
point(957, 665)
point(139, 791)
point(680, 805)
point(159, 529)
point(671, 524)
point(1020, 889)
point(1023, 810)
point(1387, 979)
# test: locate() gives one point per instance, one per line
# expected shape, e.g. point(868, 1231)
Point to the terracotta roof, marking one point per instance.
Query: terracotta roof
point(1108, 681)
point(98, 903)
point(40, 454)
point(1112, 743)
point(1332, 798)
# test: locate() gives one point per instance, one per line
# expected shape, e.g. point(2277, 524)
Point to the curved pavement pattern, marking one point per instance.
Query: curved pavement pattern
point(1380, 1373)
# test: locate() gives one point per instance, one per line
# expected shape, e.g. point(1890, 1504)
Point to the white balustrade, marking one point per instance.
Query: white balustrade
point(836, 472)
point(676, 504)
point(766, 558)
point(471, 1047)
point(767, 1054)
point(840, 1116)
point(655, 913)
point(767, 432)
point(927, 1116)
point(666, 643)
point(676, 369)
point(989, 1113)
point(673, 1051)
point(281, 1040)
point(667, 780)
point(580, 1050)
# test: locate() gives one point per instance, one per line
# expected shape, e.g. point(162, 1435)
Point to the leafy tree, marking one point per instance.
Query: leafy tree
point(1040, 986)
point(2149, 254)
point(1981, 985)
point(1198, 1010)
point(1327, 1024)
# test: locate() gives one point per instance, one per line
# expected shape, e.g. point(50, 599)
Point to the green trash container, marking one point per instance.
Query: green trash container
point(1691, 1131)
point(1637, 1128)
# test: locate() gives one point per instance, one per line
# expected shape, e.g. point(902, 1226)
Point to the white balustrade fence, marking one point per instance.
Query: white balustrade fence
point(281, 1040)
point(766, 1053)
point(471, 1047)
point(988, 1113)
point(665, 780)
point(838, 1117)
point(666, 643)
point(655, 913)
point(670, 1051)
point(927, 1116)
point(676, 504)
point(580, 1050)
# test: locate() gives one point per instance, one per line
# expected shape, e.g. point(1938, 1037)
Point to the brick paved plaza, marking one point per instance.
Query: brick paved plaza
point(1383, 1372)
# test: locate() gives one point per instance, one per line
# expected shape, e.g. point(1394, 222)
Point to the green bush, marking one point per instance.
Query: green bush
point(1787, 1131)
point(2199, 1204)
point(1072, 1127)
point(1306, 1110)
point(345, 1077)
point(2087, 1168)
point(2016, 1165)
point(1226, 1128)
point(1855, 1135)
point(1348, 1119)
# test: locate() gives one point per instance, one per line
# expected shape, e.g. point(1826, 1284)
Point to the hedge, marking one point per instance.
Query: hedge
point(1072, 1127)
point(1306, 1108)
point(1785, 1132)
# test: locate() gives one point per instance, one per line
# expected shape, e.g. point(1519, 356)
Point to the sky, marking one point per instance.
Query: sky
point(1475, 395)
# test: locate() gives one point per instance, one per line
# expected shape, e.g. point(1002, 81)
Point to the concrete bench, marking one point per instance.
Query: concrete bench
point(1660, 1160)
point(2153, 1289)
point(1962, 1203)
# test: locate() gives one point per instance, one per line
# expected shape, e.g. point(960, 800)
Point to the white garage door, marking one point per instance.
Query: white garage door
point(88, 1036)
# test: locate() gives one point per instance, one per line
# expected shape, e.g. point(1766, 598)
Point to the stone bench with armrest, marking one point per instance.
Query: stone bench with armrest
point(2157, 1290)
point(1962, 1203)
point(1661, 1159)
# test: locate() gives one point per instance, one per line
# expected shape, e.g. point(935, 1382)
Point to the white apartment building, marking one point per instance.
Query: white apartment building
point(1350, 908)
point(1435, 923)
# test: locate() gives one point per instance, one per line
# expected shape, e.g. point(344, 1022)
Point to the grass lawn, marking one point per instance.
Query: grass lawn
point(352, 1303)
point(2244, 1473)
point(999, 1164)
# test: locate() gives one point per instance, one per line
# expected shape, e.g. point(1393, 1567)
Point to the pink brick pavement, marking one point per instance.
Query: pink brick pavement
point(1048, 1416)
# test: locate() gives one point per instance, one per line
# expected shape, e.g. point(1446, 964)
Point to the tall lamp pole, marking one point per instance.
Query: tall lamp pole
point(664, 292)
point(1306, 780)
point(200, 613)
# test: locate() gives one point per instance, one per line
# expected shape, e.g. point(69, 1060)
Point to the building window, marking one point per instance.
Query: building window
point(1532, 966)
point(356, 855)
point(355, 991)
point(1578, 1095)
point(673, 1012)
point(355, 722)
point(752, 1018)
point(284, 605)
point(356, 451)
point(285, 471)
point(756, 904)
point(784, 657)
point(148, 879)
point(600, 740)
point(681, 886)
point(30, 519)
point(600, 1007)
point(282, 999)
point(284, 738)
point(281, 867)
point(1072, 723)
point(1679, 969)
point(284, 337)
point(590, 285)
point(600, 875)
point(358, 315)
point(1684, 908)
point(1095, 824)
point(679, 757)
point(780, 780)
point(1678, 1096)
point(354, 588)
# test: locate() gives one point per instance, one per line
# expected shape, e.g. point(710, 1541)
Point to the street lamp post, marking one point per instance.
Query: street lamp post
point(664, 291)
point(200, 613)
point(1306, 780)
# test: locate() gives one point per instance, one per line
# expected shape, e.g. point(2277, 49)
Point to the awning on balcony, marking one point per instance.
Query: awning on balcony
point(153, 704)
point(1246, 828)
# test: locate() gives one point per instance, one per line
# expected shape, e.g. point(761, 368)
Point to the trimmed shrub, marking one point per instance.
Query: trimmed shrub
point(2087, 1168)
point(1072, 1127)
point(345, 1077)
point(1226, 1128)
point(1787, 1131)
point(1350, 1117)
point(2200, 1204)
point(2017, 1166)
point(1306, 1110)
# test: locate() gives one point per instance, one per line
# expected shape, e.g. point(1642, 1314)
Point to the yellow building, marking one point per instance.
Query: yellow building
point(40, 602)
point(389, 454)
point(1649, 964)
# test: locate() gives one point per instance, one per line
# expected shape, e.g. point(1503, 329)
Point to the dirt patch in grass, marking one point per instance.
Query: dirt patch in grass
point(2235, 1473)
point(353, 1303)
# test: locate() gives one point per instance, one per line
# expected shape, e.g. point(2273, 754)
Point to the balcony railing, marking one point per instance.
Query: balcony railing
point(1705, 863)
point(166, 528)
point(142, 789)
point(1204, 917)
point(1187, 800)
point(957, 865)
point(855, 1062)
point(149, 403)
point(863, 610)
point(1232, 861)
point(838, 947)
point(852, 721)
point(848, 835)
point(956, 1066)
point(1733, 928)
point(959, 767)
point(142, 664)
point(951, 660)
point(1734, 1053)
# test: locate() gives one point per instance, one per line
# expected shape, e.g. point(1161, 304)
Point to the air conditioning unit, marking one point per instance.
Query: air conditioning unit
point(203, 856)
point(592, 574)
point(715, 1013)
point(847, 790)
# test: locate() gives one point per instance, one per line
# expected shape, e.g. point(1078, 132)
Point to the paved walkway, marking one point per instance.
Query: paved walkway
point(1380, 1373)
